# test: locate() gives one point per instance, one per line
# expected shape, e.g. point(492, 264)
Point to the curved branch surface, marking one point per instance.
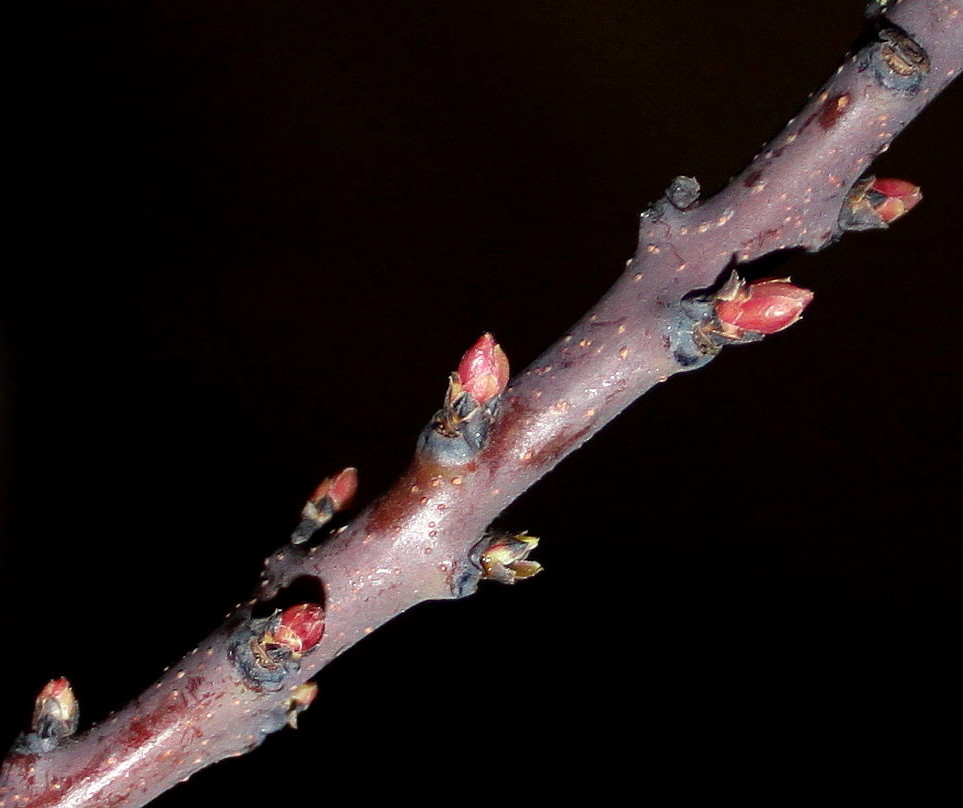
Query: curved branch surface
point(426, 538)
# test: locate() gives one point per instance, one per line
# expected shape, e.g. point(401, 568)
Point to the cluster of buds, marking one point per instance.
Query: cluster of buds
point(459, 429)
point(267, 650)
point(332, 495)
point(873, 203)
point(55, 718)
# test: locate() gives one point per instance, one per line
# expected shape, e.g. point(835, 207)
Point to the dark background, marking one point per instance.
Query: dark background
point(253, 239)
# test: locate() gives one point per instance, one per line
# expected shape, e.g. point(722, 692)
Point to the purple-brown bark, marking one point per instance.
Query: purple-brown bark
point(414, 543)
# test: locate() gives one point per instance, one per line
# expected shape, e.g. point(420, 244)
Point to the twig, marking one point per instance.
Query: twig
point(671, 310)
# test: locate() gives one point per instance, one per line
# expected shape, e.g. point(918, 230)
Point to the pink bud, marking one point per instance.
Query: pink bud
point(765, 307)
point(892, 198)
point(343, 488)
point(333, 494)
point(483, 371)
point(339, 490)
point(300, 628)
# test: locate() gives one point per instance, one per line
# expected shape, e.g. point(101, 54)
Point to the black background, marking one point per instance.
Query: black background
point(254, 237)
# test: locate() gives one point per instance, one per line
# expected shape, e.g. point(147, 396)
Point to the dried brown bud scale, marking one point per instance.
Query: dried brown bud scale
point(899, 62)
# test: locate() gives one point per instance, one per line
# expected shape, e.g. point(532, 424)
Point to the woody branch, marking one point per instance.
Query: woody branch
point(672, 309)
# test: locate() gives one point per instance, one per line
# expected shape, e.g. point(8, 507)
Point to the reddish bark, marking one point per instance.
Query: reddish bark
point(416, 542)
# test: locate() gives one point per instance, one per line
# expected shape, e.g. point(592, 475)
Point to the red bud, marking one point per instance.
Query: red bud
point(483, 371)
point(892, 198)
point(333, 494)
point(339, 490)
point(300, 628)
point(343, 488)
point(764, 307)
